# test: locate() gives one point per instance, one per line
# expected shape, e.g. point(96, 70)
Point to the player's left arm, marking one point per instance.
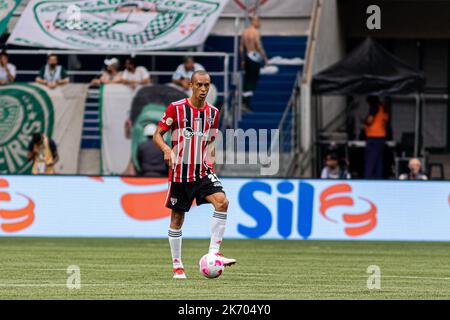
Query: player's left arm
point(210, 147)
point(211, 153)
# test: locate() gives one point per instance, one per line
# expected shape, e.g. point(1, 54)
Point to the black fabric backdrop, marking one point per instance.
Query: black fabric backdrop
point(368, 70)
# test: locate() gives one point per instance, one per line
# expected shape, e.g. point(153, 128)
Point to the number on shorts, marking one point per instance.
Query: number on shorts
point(213, 177)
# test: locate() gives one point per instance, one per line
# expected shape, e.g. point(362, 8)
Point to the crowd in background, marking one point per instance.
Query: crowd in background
point(52, 74)
point(252, 57)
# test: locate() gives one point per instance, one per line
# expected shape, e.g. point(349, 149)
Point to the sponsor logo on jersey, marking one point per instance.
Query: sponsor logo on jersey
point(189, 133)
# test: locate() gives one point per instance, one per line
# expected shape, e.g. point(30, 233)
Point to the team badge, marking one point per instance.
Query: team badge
point(24, 110)
point(173, 200)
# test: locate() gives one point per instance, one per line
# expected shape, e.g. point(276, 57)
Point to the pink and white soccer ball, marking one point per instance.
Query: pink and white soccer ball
point(211, 266)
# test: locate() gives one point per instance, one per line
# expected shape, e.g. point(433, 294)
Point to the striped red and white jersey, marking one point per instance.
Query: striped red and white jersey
point(192, 130)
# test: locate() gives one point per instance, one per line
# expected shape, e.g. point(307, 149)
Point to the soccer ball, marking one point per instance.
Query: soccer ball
point(211, 266)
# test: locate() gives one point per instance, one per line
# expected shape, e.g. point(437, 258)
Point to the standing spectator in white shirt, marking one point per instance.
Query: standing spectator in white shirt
point(134, 75)
point(7, 70)
point(182, 76)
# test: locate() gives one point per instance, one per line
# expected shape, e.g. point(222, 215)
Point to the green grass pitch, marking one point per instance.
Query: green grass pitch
point(35, 268)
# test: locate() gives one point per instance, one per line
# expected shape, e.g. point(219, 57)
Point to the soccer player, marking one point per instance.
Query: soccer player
point(194, 124)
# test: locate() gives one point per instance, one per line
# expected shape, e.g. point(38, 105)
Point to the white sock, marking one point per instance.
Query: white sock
point(175, 239)
point(219, 221)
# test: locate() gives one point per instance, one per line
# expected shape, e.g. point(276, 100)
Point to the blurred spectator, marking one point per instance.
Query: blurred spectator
point(134, 75)
point(7, 70)
point(182, 75)
point(150, 158)
point(253, 59)
point(43, 152)
point(110, 75)
point(415, 172)
point(332, 169)
point(52, 74)
point(376, 124)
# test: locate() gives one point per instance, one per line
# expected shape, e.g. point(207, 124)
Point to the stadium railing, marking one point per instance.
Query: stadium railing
point(225, 73)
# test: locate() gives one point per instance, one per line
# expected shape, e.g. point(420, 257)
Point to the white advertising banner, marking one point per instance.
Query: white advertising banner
point(259, 208)
point(270, 8)
point(116, 25)
point(32, 108)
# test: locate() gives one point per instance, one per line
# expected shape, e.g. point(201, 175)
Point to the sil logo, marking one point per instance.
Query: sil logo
point(16, 219)
point(340, 194)
point(337, 195)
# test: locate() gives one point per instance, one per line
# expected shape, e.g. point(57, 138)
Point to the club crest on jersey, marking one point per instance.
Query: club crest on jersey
point(210, 120)
point(173, 201)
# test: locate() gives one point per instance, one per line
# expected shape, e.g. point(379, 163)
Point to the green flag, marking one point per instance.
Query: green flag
point(7, 8)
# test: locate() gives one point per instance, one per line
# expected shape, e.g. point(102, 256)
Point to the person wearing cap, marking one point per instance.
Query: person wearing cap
point(332, 169)
point(110, 74)
point(150, 159)
point(182, 75)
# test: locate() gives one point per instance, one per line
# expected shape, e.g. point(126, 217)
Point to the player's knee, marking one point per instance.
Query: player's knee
point(176, 221)
point(176, 224)
point(222, 205)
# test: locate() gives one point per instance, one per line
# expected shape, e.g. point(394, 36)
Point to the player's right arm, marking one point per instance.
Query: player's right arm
point(158, 139)
point(165, 125)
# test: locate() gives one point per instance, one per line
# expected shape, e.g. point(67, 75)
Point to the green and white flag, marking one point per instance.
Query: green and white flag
point(116, 25)
point(7, 8)
point(32, 108)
